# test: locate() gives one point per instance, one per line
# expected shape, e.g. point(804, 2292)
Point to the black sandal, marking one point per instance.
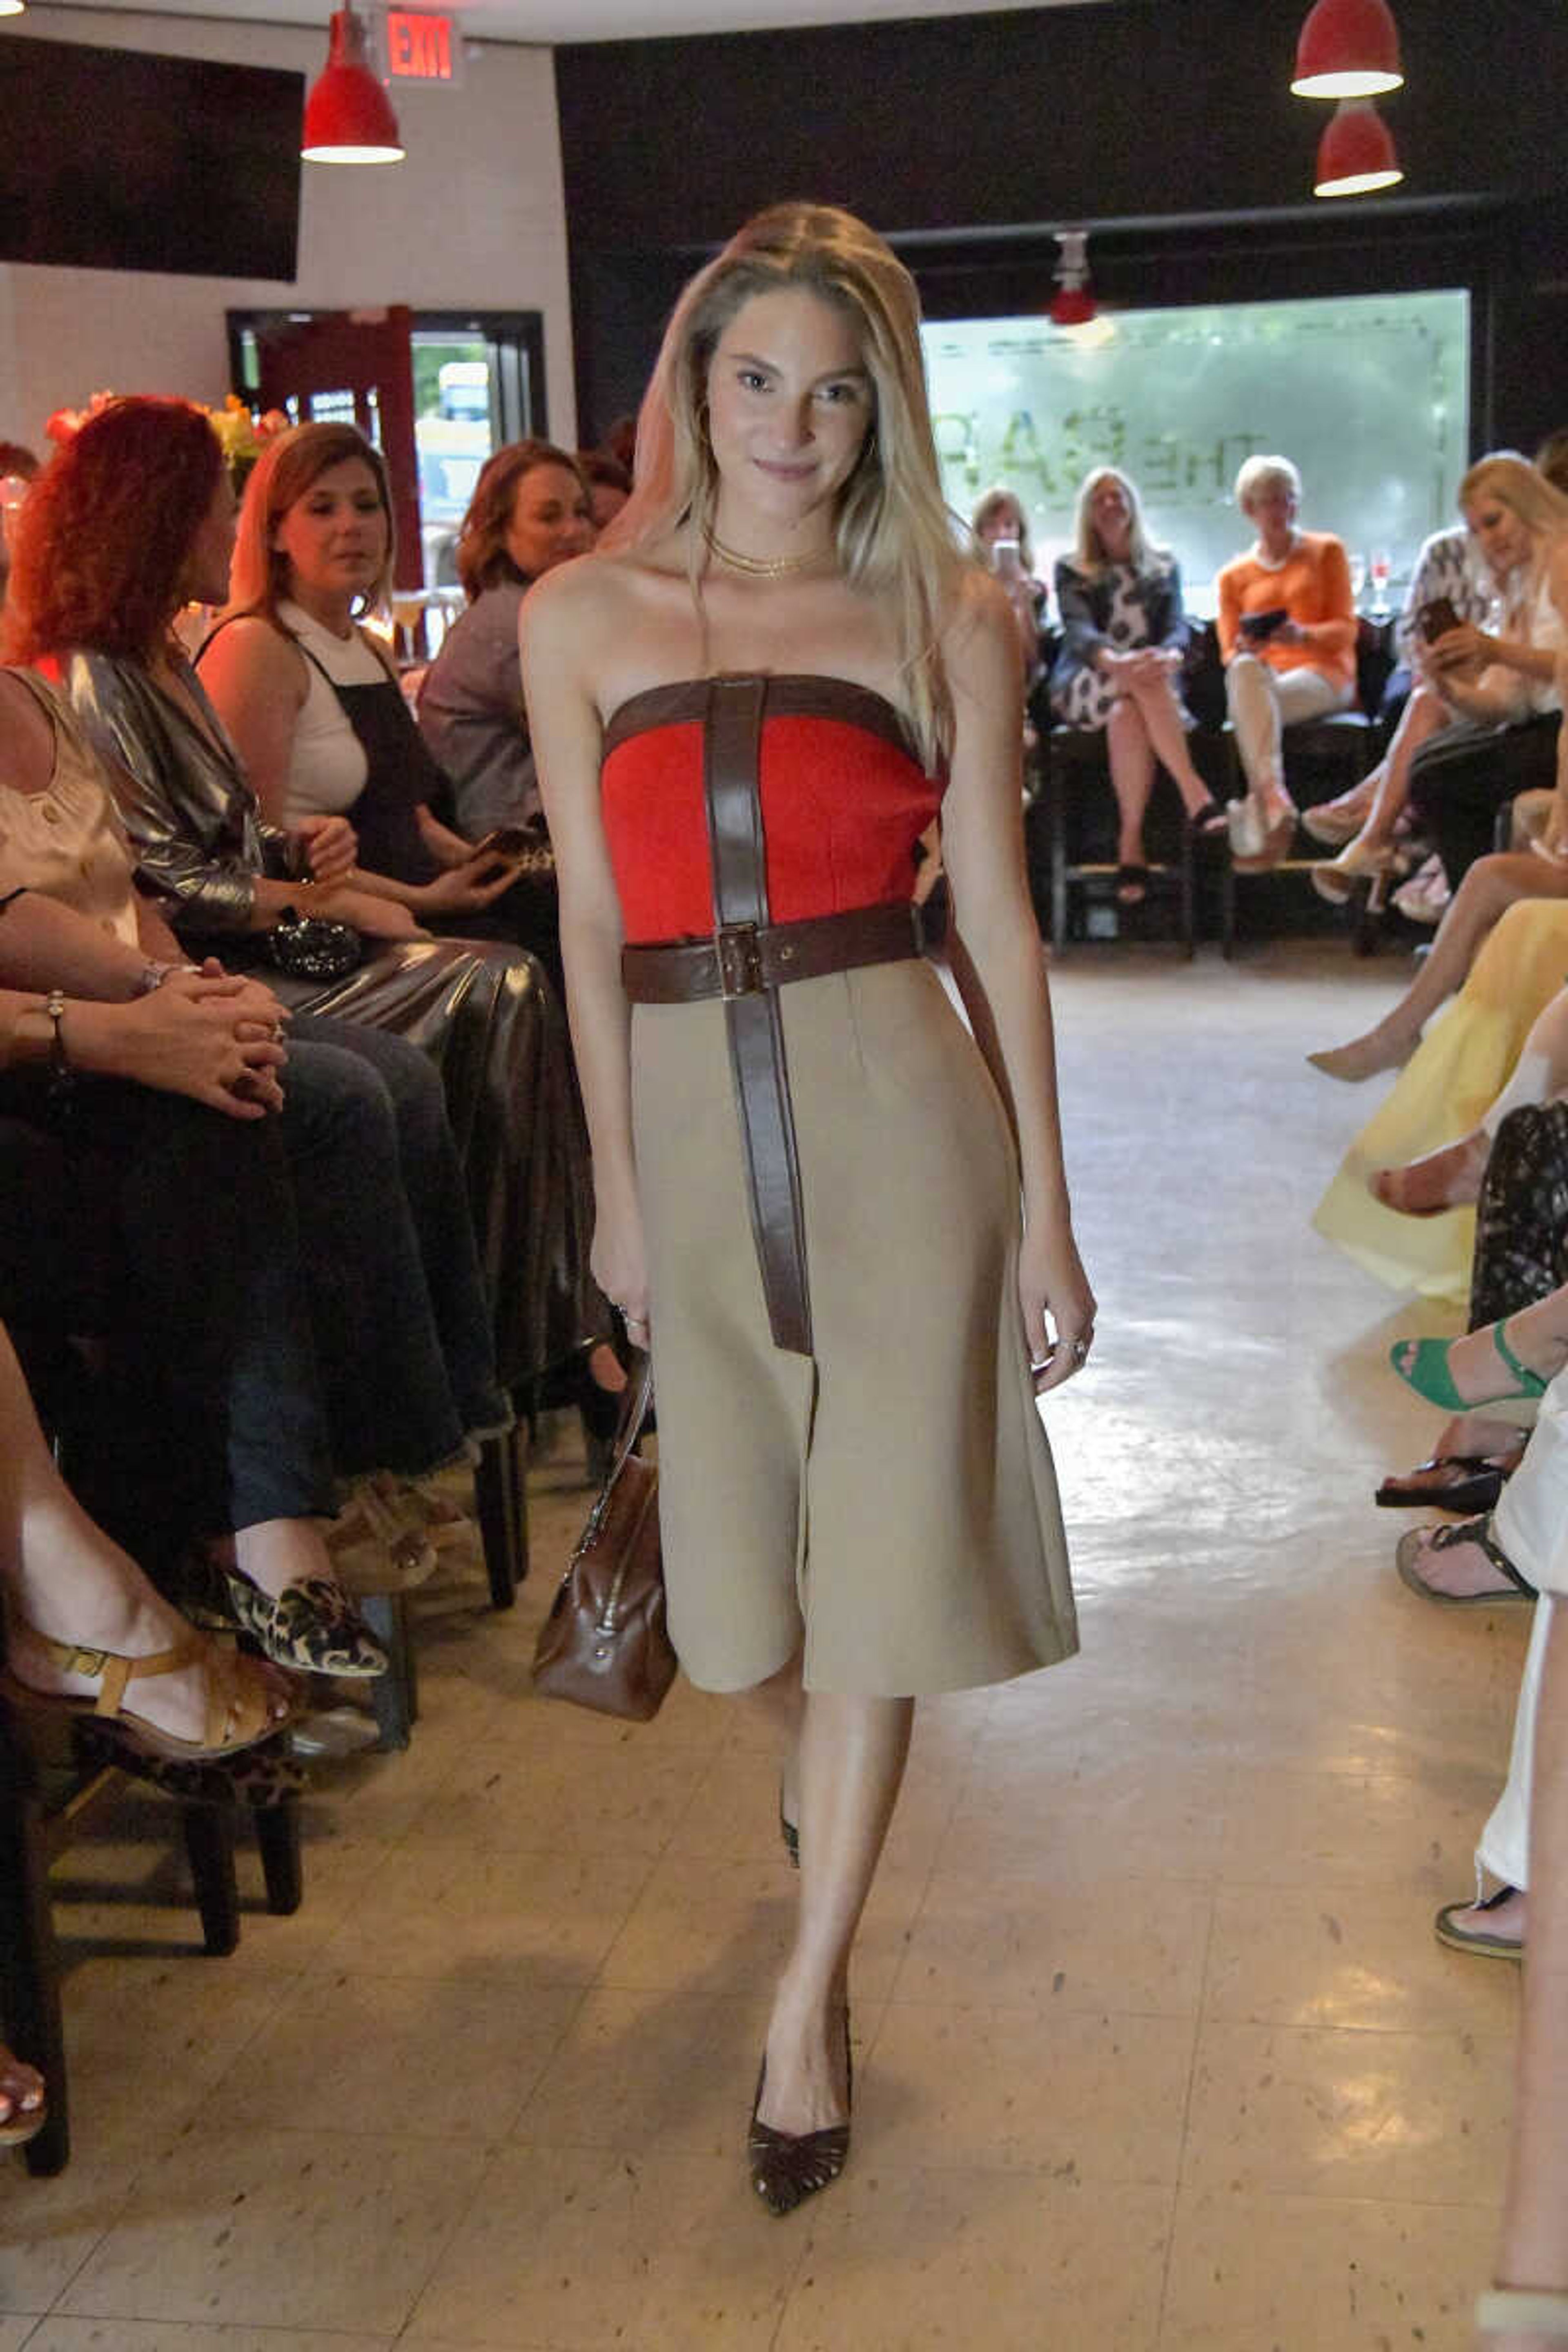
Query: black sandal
point(1414, 1541)
point(1207, 823)
point(1131, 885)
point(1476, 1488)
point(787, 2168)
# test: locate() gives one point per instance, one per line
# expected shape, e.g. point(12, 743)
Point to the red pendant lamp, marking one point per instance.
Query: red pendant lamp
point(1073, 303)
point(1355, 154)
point(348, 115)
point(1348, 48)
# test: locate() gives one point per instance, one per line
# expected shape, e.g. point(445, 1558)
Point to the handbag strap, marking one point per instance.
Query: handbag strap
point(636, 1403)
point(754, 1022)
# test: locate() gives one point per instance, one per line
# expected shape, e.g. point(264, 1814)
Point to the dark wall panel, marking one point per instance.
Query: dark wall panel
point(1168, 124)
point(111, 160)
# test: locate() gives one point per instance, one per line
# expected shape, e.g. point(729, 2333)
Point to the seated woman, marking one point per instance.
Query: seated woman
point(1453, 1076)
point(1446, 574)
point(310, 699)
point(1287, 633)
point(1124, 633)
point(247, 1238)
point(1501, 687)
point(528, 513)
point(1001, 530)
point(1490, 887)
point(133, 519)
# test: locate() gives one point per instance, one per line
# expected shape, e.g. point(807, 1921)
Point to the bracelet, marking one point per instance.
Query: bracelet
point(62, 1077)
point(153, 975)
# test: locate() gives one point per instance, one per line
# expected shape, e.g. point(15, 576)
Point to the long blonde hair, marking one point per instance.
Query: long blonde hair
point(894, 533)
point(1542, 508)
point(1088, 550)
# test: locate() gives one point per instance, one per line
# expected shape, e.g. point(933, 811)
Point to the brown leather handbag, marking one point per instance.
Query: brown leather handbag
point(604, 1644)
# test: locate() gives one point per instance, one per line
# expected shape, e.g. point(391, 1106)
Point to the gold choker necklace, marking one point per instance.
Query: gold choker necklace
point(759, 567)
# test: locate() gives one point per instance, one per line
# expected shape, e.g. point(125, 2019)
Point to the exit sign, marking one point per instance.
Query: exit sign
point(421, 46)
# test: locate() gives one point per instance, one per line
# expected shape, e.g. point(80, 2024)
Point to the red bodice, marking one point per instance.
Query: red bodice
point(845, 800)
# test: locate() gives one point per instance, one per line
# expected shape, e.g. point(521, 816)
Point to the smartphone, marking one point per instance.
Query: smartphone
point(1006, 559)
point(506, 841)
point(1263, 625)
point(1437, 618)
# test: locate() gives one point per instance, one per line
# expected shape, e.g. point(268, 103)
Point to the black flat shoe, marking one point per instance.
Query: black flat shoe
point(1475, 1486)
point(789, 2167)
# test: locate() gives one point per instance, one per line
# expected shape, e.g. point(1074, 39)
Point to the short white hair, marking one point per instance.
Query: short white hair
point(1265, 473)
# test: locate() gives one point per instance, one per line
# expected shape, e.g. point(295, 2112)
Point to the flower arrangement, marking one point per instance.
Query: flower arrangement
point(241, 436)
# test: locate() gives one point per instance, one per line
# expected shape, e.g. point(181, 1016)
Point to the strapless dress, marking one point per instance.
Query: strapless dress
point(888, 1501)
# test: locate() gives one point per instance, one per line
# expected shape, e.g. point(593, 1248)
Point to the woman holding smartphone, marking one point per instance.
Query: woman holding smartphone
point(1001, 531)
point(310, 698)
point(1287, 630)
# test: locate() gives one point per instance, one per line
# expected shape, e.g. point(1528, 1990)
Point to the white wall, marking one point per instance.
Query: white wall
point(475, 214)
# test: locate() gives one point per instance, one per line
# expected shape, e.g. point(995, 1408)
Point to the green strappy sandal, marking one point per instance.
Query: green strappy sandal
point(1427, 1371)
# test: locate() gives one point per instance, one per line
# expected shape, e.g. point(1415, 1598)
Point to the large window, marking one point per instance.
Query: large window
point(1367, 393)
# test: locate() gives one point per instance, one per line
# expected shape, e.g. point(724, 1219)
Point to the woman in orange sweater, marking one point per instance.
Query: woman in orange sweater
point(1287, 637)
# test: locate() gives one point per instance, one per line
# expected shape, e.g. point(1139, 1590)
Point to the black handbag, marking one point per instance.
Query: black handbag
point(606, 1645)
point(312, 946)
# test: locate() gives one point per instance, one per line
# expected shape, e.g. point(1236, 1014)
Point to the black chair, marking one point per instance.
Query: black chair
point(36, 1828)
point(1076, 803)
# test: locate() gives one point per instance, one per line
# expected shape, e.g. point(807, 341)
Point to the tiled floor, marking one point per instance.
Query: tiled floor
point(1156, 2048)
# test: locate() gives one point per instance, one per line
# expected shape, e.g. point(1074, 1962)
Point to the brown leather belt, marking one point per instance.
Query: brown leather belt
point(745, 957)
point(744, 963)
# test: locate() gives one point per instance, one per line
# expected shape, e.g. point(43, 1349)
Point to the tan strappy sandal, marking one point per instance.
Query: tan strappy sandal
point(22, 2123)
point(242, 1707)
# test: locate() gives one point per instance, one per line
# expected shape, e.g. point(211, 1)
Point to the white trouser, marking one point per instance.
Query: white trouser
point(1530, 1524)
point(1261, 701)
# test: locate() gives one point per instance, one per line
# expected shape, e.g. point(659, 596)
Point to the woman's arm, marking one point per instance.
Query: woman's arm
point(44, 945)
point(256, 681)
point(1336, 631)
point(1083, 641)
point(176, 1044)
point(999, 963)
point(1227, 620)
point(446, 847)
point(569, 611)
point(1503, 655)
point(1172, 639)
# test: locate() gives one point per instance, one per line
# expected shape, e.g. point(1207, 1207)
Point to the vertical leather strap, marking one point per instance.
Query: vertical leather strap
point(732, 783)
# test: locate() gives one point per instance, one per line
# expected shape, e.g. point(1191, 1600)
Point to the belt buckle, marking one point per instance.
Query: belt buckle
point(739, 959)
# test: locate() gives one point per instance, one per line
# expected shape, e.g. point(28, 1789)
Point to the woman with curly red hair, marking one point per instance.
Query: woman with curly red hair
point(482, 1013)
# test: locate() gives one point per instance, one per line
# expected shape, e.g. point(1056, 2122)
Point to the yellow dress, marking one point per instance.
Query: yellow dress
point(1444, 1092)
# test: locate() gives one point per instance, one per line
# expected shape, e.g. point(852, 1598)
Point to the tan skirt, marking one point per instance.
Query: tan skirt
point(890, 1501)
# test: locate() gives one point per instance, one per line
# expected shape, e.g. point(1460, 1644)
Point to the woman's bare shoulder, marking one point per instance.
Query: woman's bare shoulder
point(250, 646)
point(594, 587)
